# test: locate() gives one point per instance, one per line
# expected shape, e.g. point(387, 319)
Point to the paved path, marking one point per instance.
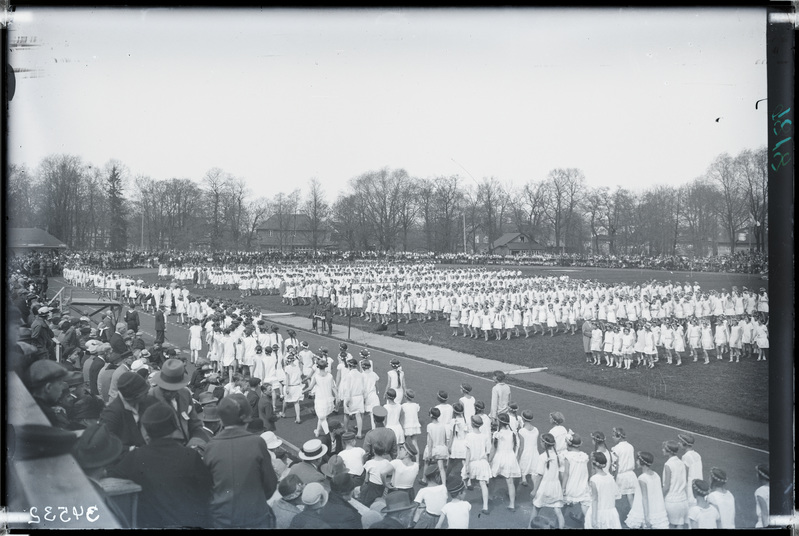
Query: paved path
point(445, 356)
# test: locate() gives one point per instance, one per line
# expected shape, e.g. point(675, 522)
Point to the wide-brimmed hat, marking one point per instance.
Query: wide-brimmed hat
point(312, 450)
point(334, 466)
point(527, 415)
point(313, 493)
point(271, 440)
point(686, 439)
point(210, 414)
point(173, 375)
point(96, 447)
point(397, 501)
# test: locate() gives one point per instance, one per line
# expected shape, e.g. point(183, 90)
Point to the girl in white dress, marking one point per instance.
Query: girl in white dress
point(323, 386)
point(547, 490)
point(435, 450)
point(487, 321)
point(517, 319)
point(393, 414)
point(679, 342)
point(396, 380)
point(762, 494)
point(457, 440)
point(675, 482)
point(558, 431)
point(293, 386)
point(552, 324)
point(476, 466)
point(411, 426)
point(721, 498)
point(735, 340)
point(721, 337)
point(707, 340)
point(576, 490)
point(195, 340)
point(468, 401)
point(352, 394)
point(596, 344)
point(454, 316)
point(465, 313)
point(503, 457)
point(602, 513)
point(528, 434)
point(761, 340)
point(371, 397)
point(649, 508)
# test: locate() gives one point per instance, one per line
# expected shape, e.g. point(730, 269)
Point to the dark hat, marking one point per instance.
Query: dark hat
point(234, 409)
point(30, 441)
point(700, 487)
point(210, 414)
point(409, 394)
point(619, 432)
point(159, 419)
point(334, 466)
point(132, 385)
point(379, 412)
point(342, 482)
point(413, 451)
point(455, 485)
point(686, 439)
point(432, 470)
point(207, 398)
point(173, 375)
point(96, 447)
point(718, 475)
point(44, 371)
point(466, 388)
point(574, 441)
point(391, 394)
point(600, 459)
point(527, 415)
point(477, 421)
point(480, 405)
point(548, 439)
point(513, 406)
point(671, 446)
point(457, 407)
point(646, 458)
point(557, 416)
point(442, 395)
point(348, 436)
point(504, 418)
point(290, 487)
point(343, 346)
point(397, 501)
point(395, 363)
point(435, 413)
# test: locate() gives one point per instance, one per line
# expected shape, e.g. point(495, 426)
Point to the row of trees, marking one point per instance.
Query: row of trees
point(105, 208)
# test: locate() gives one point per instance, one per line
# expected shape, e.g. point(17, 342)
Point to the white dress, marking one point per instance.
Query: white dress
point(293, 383)
point(396, 381)
point(394, 411)
point(457, 450)
point(624, 455)
point(504, 462)
point(529, 457)
point(479, 468)
point(576, 490)
point(606, 513)
point(549, 492)
point(195, 337)
point(410, 419)
point(323, 402)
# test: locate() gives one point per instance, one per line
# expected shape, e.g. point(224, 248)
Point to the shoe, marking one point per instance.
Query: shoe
point(512, 508)
point(484, 512)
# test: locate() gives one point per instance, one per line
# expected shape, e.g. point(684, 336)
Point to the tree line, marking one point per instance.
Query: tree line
point(107, 208)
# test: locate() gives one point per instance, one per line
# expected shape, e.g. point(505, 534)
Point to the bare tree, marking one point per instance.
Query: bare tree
point(564, 190)
point(732, 211)
point(595, 205)
point(256, 212)
point(753, 168)
point(215, 181)
point(380, 196)
point(317, 210)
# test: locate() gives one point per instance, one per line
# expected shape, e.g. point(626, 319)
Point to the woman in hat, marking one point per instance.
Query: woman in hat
point(706, 335)
point(576, 490)
point(721, 498)
point(761, 340)
point(736, 331)
point(503, 457)
point(547, 490)
point(558, 430)
point(762, 494)
point(411, 426)
point(371, 397)
point(436, 451)
point(703, 515)
point(396, 380)
point(528, 435)
point(323, 387)
point(675, 482)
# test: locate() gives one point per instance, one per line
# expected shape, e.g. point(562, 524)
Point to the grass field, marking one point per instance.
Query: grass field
point(739, 389)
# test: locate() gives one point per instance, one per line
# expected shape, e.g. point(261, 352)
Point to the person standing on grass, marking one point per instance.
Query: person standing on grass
point(707, 340)
point(761, 340)
point(679, 341)
point(721, 498)
point(675, 484)
point(588, 330)
point(596, 344)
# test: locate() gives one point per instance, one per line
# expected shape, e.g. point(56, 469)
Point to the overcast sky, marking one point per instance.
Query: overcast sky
point(276, 97)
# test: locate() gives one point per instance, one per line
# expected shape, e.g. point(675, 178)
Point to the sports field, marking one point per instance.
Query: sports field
point(739, 389)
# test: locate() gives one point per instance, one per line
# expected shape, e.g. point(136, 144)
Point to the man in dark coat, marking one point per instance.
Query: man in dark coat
point(122, 416)
point(97, 365)
point(71, 338)
point(241, 465)
point(117, 339)
point(338, 512)
point(380, 435)
point(47, 381)
point(132, 318)
point(176, 484)
point(160, 325)
point(327, 312)
point(171, 387)
point(41, 334)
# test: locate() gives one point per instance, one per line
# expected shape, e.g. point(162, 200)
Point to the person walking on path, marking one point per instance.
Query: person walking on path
point(503, 458)
point(675, 481)
point(693, 463)
point(721, 498)
point(528, 459)
point(649, 508)
point(602, 513)
point(500, 396)
point(547, 489)
point(576, 489)
point(160, 325)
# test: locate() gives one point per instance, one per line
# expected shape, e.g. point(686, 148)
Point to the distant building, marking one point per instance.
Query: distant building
point(292, 232)
point(515, 244)
point(24, 240)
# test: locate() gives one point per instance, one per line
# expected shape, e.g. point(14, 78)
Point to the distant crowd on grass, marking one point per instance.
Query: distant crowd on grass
point(624, 324)
point(50, 264)
point(204, 447)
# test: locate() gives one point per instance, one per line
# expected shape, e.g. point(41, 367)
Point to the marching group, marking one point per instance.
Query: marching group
point(203, 445)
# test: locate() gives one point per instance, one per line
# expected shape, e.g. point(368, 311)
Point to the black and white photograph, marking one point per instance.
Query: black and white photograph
point(466, 268)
